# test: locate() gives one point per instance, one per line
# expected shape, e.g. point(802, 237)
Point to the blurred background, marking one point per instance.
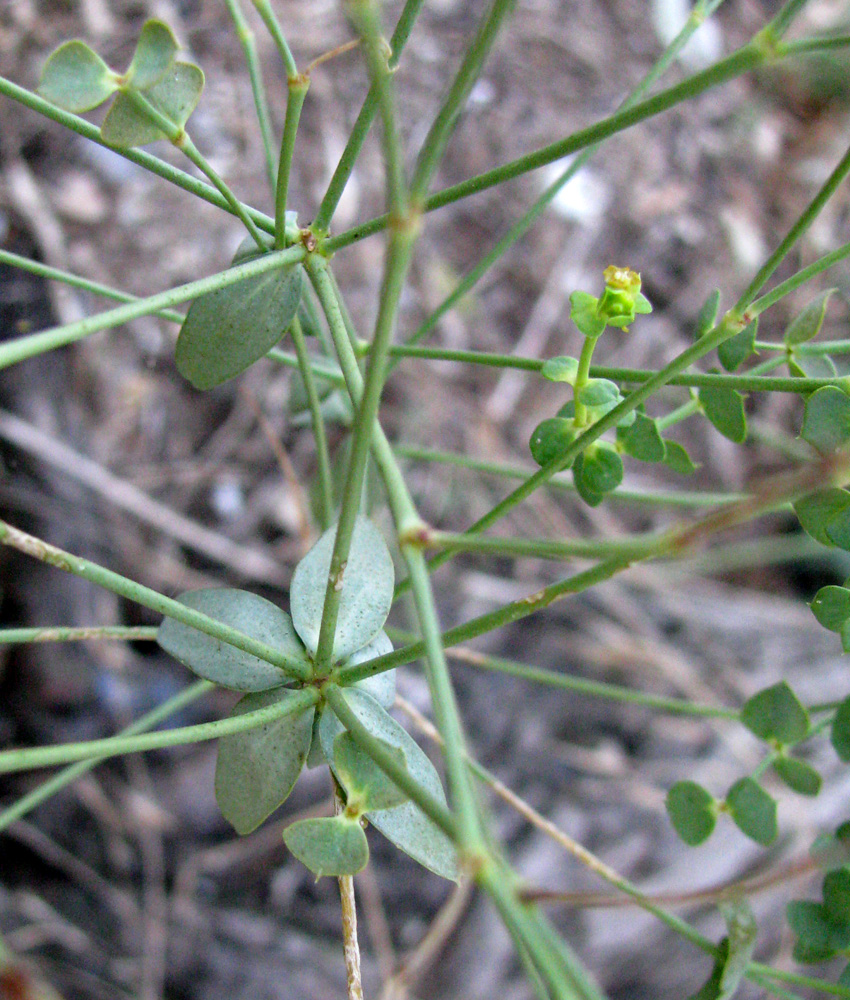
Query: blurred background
point(129, 883)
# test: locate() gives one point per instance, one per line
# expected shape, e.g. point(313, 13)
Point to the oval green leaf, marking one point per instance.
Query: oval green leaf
point(831, 607)
point(224, 664)
point(175, 96)
point(599, 392)
point(365, 783)
point(257, 769)
point(753, 811)
point(816, 511)
point(367, 590)
point(692, 811)
point(642, 440)
point(227, 330)
point(724, 408)
point(328, 846)
point(583, 314)
point(840, 733)
point(405, 825)
point(826, 422)
point(154, 55)
point(808, 324)
point(677, 459)
point(818, 937)
point(707, 316)
point(381, 686)
point(551, 438)
point(602, 469)
point(776, 714)
point(799, 776)
point(836, 895)
point(76, 79)
point(735, 351)
point(561, 369)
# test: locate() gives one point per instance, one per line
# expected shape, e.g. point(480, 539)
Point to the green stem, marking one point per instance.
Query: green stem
point(320, 437)
point(113, 746)
point(543, 548)
point(150, 720)
point(151, 163)
point(264, 9)
point(298, 87)
point(361, 127)
point(261, 104)
point(117, 584)
point(21, 348)
point(679, 414)
point(797, 280)
point(434, 144)
point(582, 376)
point(377, 750)
point(126, 633)
point(783, 20)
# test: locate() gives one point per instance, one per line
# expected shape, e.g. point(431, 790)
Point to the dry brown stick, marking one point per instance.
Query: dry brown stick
point(350, 944)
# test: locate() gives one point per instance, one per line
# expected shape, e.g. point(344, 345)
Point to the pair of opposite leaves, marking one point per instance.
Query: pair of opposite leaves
point(257, 769)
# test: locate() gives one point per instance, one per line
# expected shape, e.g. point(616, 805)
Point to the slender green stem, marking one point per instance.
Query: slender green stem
point(747, 303)
point(388, 763)
point(21, 348)
point(121, 585)
point(126, 633)
point(797, 280)
point(319, 436)
point(298, 87)
point(679, 414)
point(261, 104)
point(562, 482)
point(796, 979)
point(264, 9)
point(180, 138)
point(150, 720)
point(783, 20)
point(582, 376)
point(151, 163)
point(113, 746)
point(823, 43)
point(361, 127)
point(434, 144)
point(543, 548)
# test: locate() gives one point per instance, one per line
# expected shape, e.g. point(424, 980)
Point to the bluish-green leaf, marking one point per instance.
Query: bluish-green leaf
point(76, 79)
point(677, 459)
point(818, 937)
point(602, 469)
point(175, 97)
point(735, 351)
point(367, 590)
point(599, 392)
point(819, 509)
point(838, 530)
point(812, 366)
point(753, 811)
point(328, 846)
point(724, 407)
point(583, 314)
point(551, 438)
point(642, 440)
point(405, 825)
point(561, 369)
point(799, 776)
point(257, 769)
point(826, 421)
point(227, 330)
point(707, 316)
point(831, 607)
point(380, 686)
point(224, 664)
point(809, 322)
point(692, 811)
point(367, 787)
point(840, 734)
point(154, 55)
point(776, 713)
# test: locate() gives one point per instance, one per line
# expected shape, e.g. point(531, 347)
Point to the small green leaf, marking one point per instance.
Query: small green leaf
point(602, 468)
point(367, 590)
point(735, 351)
point(364, 782)
point(583, 314)
point(551, 438)
point(175, 96)
point(599, 392)
point(328, 846)
point(826, 422)
point(799, 776)
point(741, 938)
point(838, 530)
point(380, 686)
point(707, 316)
point(692, 811)
point(840, 734)
point(227, 330)
point(560, 370)
point(753, 811)
point(76, 79)
point(818, 937)
point(724, 407)
point(831, 607)
point(677, 459)
point(812, 366)
point(642, 304)
point(224, 664)
point(257, 769)
point(642, 440)
point(776, 713)
point(154, 55)
point(817, 510)
point(836, 895)
point(808, 324)
point(405, 825)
